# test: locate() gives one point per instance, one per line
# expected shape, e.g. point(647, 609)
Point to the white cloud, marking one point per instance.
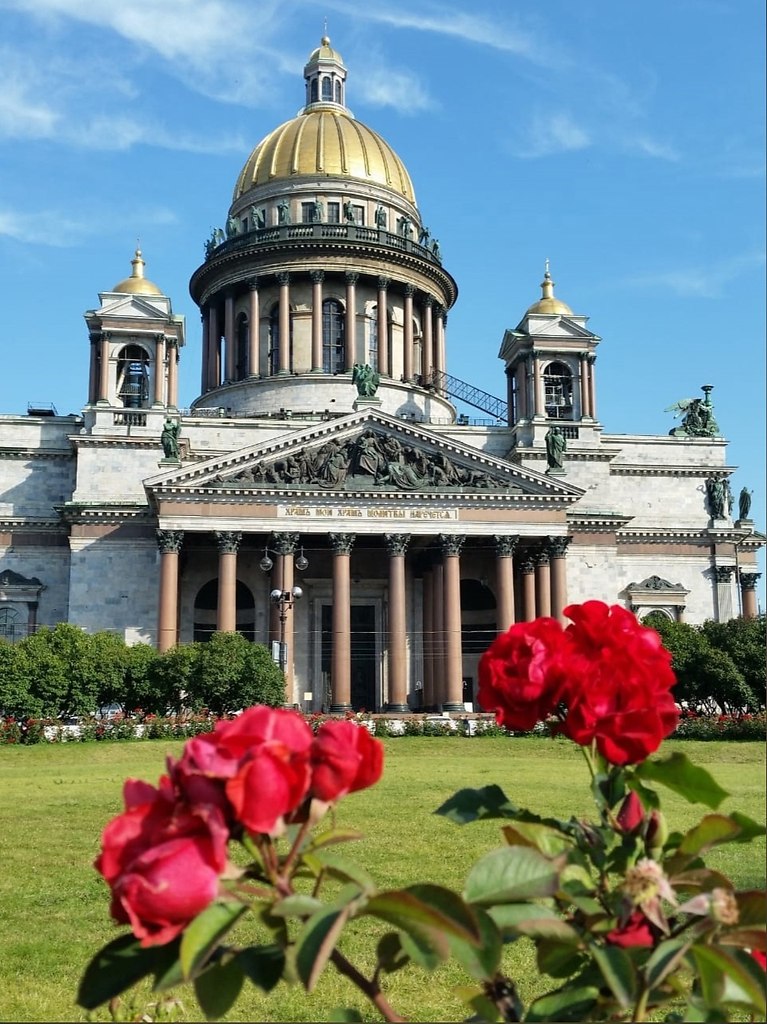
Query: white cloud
point(384, 87)
point(706, 282)
point(651, 147)
point(58, 230)
point(553, 133)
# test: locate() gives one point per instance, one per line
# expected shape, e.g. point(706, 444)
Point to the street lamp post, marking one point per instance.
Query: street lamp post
point(284, 600)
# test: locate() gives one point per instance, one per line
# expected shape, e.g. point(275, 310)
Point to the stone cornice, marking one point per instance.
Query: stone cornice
point(36, 453)
point(658, 469)
point(600, 454)
point(112, 512)
point(111, 441)
point(663, 535)
point(16, 524)
point(591, 522)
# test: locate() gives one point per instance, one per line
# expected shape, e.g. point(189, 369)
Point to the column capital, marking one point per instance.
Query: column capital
point(170, 540)
point(253, 284)
point(285, 543)
point(342, 543)
point(396, 543)
point(527, 567)
point(440, 311)
point(228, 541)
point(410, 290)
point(505, 544)
point(351, 277)
point(428, 300)
point(592, 358)
point(383, 283)
point(317, 276)
point(557, 546)
point(723, 573)
point(451, 543)
point(541, 557)
point(748, 580)
point(283, 277)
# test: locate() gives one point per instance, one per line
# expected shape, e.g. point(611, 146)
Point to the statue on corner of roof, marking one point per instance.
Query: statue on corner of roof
point(169, 439)
point(366, 379)
point(556, 446)
point(744, 503)
point(697, 416)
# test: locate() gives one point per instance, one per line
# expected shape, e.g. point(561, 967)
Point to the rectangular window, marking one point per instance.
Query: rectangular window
point(334, 213)
point(359, 215)
point(307, 213)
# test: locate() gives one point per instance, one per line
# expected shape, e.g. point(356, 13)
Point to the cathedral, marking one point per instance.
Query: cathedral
point(323, 495)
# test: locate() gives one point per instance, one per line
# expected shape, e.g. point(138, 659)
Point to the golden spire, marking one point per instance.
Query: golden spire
point(548, 302)
point(137, 264)
point(137, 283)
point(547, 285)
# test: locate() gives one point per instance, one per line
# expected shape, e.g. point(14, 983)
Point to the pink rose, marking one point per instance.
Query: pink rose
point(344, 758)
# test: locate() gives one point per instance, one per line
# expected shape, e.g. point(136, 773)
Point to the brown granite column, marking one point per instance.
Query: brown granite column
point(504, 581)
point(748, 581)
point(283, 279)
point(407, 355)
point(285, 545)
point(228, 546)
point(558, 556)
point(104, 368)
point(440, 318)
point(254, 329)
point(317, 276)
point(438, 635)
point(592, 388)
point(205, 361)
point(383, 327)
point(542, 583)
point(539, 407)
point(396, 545)
point(214, 348)
point(93, 374)
point(451, 551)
point(584, 368)
point(169, 543)
point(341, 654)
point(230, 340)
point(172, 374)
point(351, 321)
point(159, 369)
point(428, 339)
point(428, 639)
point(527, 570)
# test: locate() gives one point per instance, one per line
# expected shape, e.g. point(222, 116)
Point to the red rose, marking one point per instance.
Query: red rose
point(344, 758)
point(619, 679)
point(162, 860)
point(521, 673)
point(637, 931)
point(631, 814)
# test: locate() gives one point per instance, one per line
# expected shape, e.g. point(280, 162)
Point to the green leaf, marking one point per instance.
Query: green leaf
point(204, 933)
point(618, 971)
point(429, 907)
point(511, 874)
point(480, 961)
point(689, 780)
point(115, 968)
point(649, 797)
point(477, 804)
point(264, 965)
point(297, 905)
point(484, 1008)
point(317, 941)
point(665, 958)
point(704, 879)
point(217, 988)
point(533, 920)
point(344, 1015)
point(568, 1004)
point(390, 954)
point(333, 836)
point(730, 977)
point(427, 949)
point(749, 829)
point(557, 959)
point(710, 831)
point(340, 867)
point(609, 789)
point(549, 841)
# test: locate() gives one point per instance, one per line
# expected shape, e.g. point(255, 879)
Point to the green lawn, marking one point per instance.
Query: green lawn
point(56, 799)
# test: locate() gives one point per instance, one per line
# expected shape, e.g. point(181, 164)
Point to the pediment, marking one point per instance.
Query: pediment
point(557, 327)
point(139, 307)
point(367, 453)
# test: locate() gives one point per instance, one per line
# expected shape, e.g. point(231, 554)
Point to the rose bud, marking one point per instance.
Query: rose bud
point(631, 814)
point(657, 834)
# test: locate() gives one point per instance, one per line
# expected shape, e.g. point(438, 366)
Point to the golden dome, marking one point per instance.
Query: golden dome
point(325, 142)
point(325, 52)
point(549, 303)
point(137, 284)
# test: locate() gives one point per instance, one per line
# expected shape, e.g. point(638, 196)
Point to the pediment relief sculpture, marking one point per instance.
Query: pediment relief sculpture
point(372, 459)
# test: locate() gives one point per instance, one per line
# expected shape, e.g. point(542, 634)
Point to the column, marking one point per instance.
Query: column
point(527, 570)
point(159, 368)
point(254, 334)
point(341, 654)
point(230, 346)
point(428, 340)
point(317, 276)
point(407, 355)
point(169, 542)
point(748, 582)
point(451, 551)
point(172, 373)
point(214, 344)
point(539, 406)
point(440, 317)
point(283, 279)
point(93, 370)
point(428, 639)
point(228, 545)
point(521, 375)
point(584, 368)
point(351, 321)
point(205, 352)
point(504, 581)
point(723, 577)
point(542, 583)
point(592, 388)
point(438, 635)
point(558, 558)
point(104, 368)
point(396, 545)
point(285, 545)
point(383, 328)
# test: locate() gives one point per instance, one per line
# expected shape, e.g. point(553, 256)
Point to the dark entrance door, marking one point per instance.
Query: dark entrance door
point(364, 664)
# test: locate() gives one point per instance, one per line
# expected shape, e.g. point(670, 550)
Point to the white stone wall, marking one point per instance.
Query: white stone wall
point(51, 566)
point(114, 585)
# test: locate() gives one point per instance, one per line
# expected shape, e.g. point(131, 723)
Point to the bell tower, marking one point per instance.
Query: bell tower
point(549, 360)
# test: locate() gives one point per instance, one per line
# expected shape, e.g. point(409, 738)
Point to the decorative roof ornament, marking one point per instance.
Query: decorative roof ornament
point(137, 283)
point(548, 302)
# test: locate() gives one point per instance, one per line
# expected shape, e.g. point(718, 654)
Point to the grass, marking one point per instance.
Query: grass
point(56, 799)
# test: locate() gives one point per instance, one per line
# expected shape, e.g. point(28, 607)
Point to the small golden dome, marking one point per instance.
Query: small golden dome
point(137, 284)
point(549, 303)
point(325, 52)
point(324, 142)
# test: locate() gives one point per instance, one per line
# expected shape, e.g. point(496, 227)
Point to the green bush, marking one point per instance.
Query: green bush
point(230, 673)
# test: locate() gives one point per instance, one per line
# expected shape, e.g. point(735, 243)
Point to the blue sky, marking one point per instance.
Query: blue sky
point(623, 141)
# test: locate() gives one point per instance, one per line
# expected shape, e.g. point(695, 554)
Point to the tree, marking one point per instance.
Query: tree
point(231, 673)
point(107, 655)
point(143, 687)
point(171, 675)
point(744, 641)
point(16, 699)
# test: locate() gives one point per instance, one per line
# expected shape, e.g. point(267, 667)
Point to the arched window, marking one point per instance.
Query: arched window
point(315, 88)
point(327, 88)
point(417, 350)
point(338, 93)
point(205, 611)
point(133, 377)
point(243, 337)
point(558, 391)
point(373, 339)
point(273, 351)
point(10, 624)
point(333, 336)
